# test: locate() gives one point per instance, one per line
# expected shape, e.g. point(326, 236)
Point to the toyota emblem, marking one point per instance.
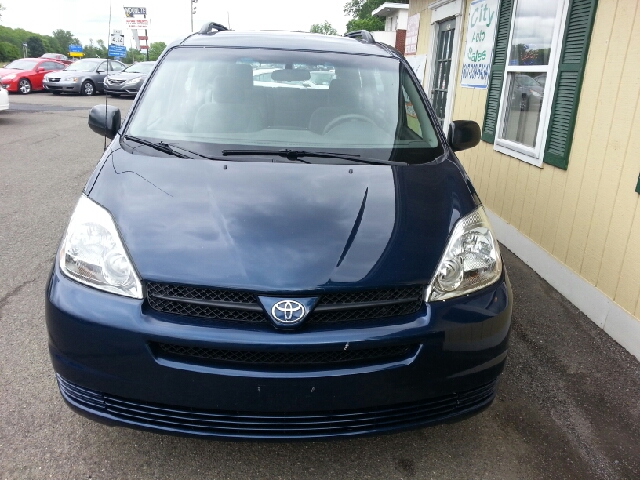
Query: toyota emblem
point(288, 312)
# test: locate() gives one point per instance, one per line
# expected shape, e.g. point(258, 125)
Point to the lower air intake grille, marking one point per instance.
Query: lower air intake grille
point(274, 425)
point(286, 358)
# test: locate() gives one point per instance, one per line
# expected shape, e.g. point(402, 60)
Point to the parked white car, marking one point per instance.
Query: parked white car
point(4, 99)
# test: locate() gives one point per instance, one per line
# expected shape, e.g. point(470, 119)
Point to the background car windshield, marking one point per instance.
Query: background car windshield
point(83, 66)
point(220, 99)
point(23, 64)
point(139, 68)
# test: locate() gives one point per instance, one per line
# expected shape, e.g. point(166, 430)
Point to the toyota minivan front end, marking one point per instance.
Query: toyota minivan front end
point(257, 261)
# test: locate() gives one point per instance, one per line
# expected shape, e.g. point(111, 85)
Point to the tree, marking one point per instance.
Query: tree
point(156, 49)
point(63, 38)
point(134, 56)
point(9, 52)
point(1, 9)
point(360, 12)
point(372, 24)
point(323, 28)
point(35, 47)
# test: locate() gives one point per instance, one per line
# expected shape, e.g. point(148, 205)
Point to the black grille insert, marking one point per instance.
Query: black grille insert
point(241, 306)
point(286, 358)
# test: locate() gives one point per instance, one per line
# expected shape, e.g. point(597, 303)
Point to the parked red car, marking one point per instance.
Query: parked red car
point(25, 75)
point(57, 57)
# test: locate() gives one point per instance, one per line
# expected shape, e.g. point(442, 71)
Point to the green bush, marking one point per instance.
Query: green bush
point(9, 52)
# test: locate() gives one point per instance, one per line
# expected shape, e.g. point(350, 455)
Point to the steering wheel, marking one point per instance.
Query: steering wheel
point(346, 118)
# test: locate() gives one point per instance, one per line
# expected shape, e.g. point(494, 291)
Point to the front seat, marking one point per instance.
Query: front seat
point(230, 112)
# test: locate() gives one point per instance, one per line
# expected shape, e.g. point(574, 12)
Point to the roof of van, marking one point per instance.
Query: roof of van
point(286, 41)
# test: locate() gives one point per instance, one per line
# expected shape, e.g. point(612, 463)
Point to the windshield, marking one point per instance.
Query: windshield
point(23, 64)
point(140, 68)
point(56, 56)
point(83, 66)
point(213, 99)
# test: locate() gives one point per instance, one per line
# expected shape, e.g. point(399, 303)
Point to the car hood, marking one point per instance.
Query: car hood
point(9, 71)
point(281, 226)
point(125, 76)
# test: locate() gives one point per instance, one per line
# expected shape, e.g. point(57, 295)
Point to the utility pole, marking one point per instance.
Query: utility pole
point(192, 4)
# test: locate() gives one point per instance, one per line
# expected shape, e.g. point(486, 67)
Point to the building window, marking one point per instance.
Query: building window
point(532, 57)
point(536, 76)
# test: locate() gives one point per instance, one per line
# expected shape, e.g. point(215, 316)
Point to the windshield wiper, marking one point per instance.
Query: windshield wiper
point(296, 154)
point(160, 146)
point(169, 148)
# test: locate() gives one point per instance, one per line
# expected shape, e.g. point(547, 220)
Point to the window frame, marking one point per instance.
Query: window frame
point(532, 155)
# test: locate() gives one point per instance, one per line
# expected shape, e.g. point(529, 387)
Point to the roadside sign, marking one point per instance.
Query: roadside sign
point(76, 54)
point(117, 51)
point(136, 17)
point(117, 38)
point(75, 49)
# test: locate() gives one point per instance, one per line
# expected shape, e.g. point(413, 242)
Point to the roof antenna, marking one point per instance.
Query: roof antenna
point(228, 22)
point(105, 93)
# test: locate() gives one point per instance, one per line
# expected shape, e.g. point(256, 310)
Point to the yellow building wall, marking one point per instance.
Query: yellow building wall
point(587, 217)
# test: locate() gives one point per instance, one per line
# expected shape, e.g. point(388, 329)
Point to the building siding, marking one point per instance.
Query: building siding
point(587, 217)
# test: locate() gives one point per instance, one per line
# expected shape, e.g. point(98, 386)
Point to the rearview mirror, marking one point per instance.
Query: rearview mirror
point(291, 75)
point(105, 120)
point(463, 134)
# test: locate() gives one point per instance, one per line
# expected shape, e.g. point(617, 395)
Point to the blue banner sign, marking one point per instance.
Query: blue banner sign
point(75, 48)
point(117, 51)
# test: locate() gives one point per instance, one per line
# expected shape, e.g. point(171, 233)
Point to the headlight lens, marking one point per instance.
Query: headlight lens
point(471, 260)
point(92, 252)
point(133, 81)
point(11, 76)
point(70, 79)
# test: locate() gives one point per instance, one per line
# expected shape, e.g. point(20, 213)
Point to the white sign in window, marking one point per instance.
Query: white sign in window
point(478, 51)
point(411, 39)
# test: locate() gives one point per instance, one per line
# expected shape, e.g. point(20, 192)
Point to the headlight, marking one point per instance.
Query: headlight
point(11, 76)
point(70, 79)
point(471, 260)
point(133, 81)
point(92, 252)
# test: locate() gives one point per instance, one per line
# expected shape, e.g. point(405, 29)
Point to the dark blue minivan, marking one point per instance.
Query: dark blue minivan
point(279, 243)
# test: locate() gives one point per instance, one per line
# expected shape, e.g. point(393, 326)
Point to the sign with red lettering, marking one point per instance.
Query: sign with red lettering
point(136, 17)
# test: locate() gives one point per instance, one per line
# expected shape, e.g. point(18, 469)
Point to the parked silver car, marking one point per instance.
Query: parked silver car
point(85, 76)
point(129, 80)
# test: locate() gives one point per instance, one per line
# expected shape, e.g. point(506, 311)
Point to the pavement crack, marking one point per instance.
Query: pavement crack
point(4, 300)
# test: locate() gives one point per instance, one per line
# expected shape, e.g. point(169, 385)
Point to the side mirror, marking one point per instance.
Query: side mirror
point(40, 69)
point(105, 120)
point(463, 134)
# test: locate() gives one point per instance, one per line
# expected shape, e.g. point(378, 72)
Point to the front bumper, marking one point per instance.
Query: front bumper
point(101, 346)
point(10, 86)
point(65, 87)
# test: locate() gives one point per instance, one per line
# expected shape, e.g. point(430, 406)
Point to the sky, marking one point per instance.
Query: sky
point(170, 19)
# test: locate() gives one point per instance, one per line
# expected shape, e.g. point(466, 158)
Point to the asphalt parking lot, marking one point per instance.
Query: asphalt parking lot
point(568, 404)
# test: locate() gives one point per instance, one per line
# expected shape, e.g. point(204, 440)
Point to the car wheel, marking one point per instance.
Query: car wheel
point(24, 86)
point(88, 88)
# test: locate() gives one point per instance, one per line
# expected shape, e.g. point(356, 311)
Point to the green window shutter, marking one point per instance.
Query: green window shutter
point(575, 46)
point(496, 78)
point(638, 186)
